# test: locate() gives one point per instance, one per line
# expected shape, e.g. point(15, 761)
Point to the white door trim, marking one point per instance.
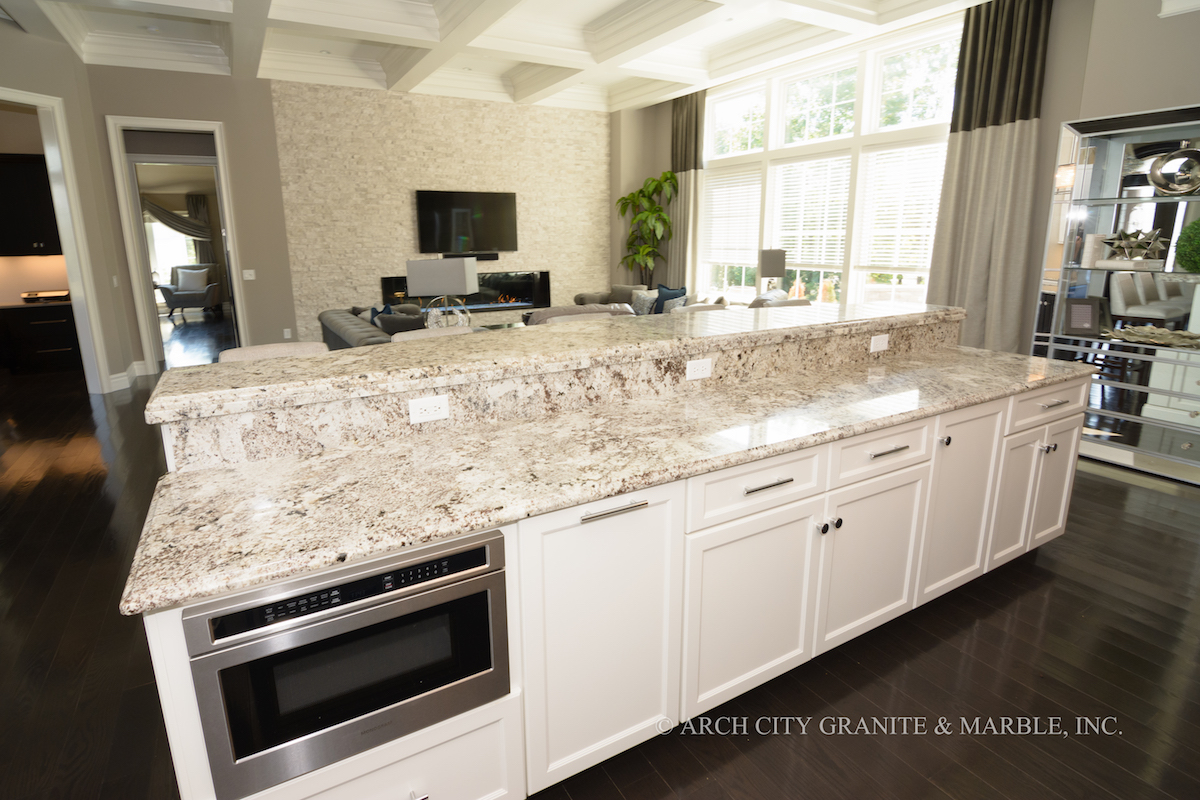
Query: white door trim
point(131, 217)
point(68, 212)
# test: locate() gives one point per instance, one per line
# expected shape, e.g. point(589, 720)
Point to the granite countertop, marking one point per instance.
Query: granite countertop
point(218, 530)
point(236, 387)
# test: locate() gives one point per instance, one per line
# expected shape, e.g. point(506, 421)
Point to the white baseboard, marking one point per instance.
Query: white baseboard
point(123, 380)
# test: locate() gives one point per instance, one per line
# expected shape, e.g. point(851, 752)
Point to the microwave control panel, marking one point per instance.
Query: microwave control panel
point(226, 625)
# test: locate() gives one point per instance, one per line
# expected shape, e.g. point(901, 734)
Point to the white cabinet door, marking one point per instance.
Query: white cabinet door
point(1014, 496)
point(966, 455)
point(1056, 476)
point(602, 593)
point(869, 561)
point(749, 605)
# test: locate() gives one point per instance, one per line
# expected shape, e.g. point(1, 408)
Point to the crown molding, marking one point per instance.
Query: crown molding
point(146, 52)
point(286, 65)
point(409, 20)
point(1172, 7)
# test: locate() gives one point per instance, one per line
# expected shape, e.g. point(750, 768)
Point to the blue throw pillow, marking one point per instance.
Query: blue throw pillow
point(375, 312)
point(665, 294)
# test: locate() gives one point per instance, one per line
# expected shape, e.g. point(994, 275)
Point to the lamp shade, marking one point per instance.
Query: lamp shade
point(438, 277)
point(771, 263)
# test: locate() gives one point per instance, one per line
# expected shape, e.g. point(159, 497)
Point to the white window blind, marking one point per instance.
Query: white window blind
point(902, 189)
point(810, 206)
point(730, 209)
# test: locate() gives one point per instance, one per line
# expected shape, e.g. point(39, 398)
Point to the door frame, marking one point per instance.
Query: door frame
point(68, 213)
point(135, 242)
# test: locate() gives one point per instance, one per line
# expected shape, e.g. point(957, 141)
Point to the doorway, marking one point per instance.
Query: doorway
point(175, 213)
point(185, 251)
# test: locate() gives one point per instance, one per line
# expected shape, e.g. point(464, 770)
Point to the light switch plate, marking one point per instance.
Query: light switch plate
point(428, 409)
point(879, 343)
point(699, 368)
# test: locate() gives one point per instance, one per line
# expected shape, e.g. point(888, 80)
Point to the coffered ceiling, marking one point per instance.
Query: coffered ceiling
point(604, 55)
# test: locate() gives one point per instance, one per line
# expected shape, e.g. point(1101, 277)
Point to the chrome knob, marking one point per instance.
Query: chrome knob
point(945, 440)
point(1049, 448)
point(837, 523)
point(823, 528)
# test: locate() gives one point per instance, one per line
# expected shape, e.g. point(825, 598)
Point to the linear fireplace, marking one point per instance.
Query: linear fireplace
point(498, 291)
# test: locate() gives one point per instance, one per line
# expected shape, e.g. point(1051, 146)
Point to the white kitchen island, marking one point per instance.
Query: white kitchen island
point(670, 543)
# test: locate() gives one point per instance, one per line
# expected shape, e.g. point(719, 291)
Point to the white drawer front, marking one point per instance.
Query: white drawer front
point(1046, 405)
point(880, 452)
point(737, 491)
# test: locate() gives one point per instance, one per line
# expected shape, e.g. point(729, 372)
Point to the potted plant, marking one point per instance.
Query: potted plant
point(1187, 248)
point(649, 224)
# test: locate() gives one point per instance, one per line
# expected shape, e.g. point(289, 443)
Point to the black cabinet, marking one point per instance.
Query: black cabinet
point(39, 338)
point(27, 223)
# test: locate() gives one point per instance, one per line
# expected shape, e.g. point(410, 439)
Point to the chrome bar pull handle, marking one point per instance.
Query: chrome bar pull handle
point(895, 449)
point(780, 482)
point(1054, 403)
point(612, 512)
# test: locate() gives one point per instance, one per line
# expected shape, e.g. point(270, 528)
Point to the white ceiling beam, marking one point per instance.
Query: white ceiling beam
point(1172, 7)
point(247, 36)
point(533, 82)
point(334, 32)
point(213, 10)
point(403, 20)
point(398, 62)
point(826, 15)
point(637, 27)
point(460, 23)
point(778, 43)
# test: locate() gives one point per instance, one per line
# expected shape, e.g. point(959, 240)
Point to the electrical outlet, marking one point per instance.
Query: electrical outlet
point(116, 283)
point(287, 333)
point(428, 409)
point(879, 343)
point(699, 368)
point(249, 275)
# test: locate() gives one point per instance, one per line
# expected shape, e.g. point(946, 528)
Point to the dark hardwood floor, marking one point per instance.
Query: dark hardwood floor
point(192, 336)
point(1103, 623)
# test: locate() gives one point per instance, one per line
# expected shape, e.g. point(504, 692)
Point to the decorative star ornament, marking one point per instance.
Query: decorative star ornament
point(1123, 243)
point(1152, 245)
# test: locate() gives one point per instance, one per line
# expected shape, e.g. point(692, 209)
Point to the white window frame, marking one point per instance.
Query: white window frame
point(869, 56)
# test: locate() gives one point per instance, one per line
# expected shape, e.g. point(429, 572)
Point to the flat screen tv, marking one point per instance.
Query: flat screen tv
point(466, 222)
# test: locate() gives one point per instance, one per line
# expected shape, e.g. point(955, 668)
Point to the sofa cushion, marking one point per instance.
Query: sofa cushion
point(643, 301)
point(398, 323)
point(192, 280)
point(665, 294)
point(623, 293)
point(766, 297)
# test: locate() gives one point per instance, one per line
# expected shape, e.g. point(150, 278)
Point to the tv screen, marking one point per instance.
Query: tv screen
point(466, 222)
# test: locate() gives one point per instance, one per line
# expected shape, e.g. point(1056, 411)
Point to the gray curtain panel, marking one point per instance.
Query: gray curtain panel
point(985, 217)
point(197, 206)
point(687, 160)
point(188, 227)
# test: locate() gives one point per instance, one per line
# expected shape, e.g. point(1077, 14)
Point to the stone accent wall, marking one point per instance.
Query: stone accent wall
point(351, 161)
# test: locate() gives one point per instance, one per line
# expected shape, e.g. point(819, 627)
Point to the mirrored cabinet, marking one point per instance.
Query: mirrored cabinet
point(1119, 285)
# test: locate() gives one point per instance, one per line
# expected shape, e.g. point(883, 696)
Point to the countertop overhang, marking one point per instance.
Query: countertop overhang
point(218, 530)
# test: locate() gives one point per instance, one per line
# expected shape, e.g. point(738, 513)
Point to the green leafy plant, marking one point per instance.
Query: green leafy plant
point(649, 224)
point(1187, 248)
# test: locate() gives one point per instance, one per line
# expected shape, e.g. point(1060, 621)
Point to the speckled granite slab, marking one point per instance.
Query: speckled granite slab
point(253, 411)
point(218, 530)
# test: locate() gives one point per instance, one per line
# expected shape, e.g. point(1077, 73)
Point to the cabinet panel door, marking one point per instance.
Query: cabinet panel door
point(602, 601)
point(953, 550)
point(1014, 497)
point(1055, 479)
point(750, 600)
point(868, 565)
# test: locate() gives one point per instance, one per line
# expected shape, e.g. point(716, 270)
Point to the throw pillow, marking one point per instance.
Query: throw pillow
point(665, 294)
point(674, 303)
point(192, 280)
point(398, 323)
point(623, 293)
point(643, 301)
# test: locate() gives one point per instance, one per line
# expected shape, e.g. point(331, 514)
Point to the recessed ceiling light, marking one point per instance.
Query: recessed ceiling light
point(152, 28)
point(324, 52)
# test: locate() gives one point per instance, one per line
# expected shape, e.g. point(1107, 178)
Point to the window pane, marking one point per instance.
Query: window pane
point(819, 107)
point(918, 86)
point(815, 285)
point(730, 209)
point(738, 124)
point(901, 192)
point(811, 201)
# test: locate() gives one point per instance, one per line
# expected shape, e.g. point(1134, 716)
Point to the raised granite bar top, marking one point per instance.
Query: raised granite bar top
point(212, 531)
point(250, 386)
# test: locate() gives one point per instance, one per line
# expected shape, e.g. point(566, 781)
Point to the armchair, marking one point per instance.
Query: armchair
point(193, 286)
